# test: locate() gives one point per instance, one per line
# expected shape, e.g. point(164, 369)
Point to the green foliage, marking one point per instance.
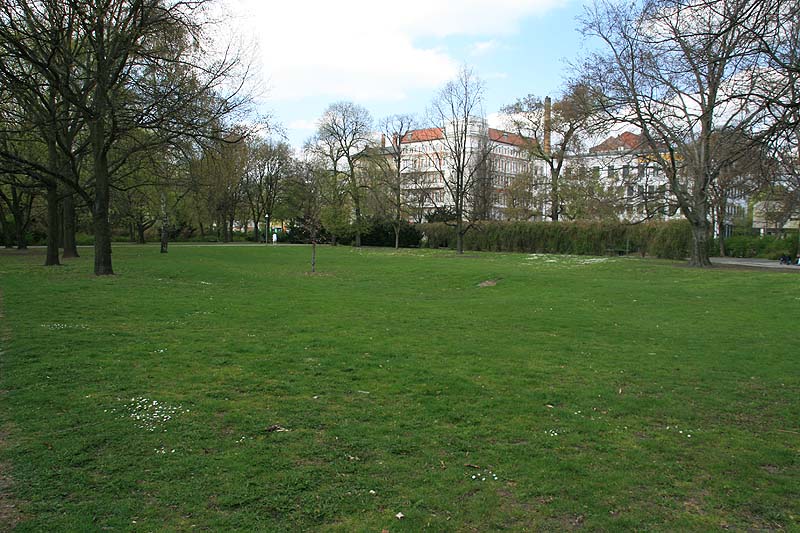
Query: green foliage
point(767, 247)
point(380, 232)
point(665, 240)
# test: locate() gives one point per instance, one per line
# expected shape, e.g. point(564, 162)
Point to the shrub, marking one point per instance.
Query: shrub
point(767, 247)
point(380, 232)
point(667, 240)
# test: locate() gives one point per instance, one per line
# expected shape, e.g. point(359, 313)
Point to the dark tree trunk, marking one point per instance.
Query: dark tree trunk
point(70, 245)
point(397, 236)
point(202, 230)
point(313, 254)
point(21, 240)
point(102, 196)
point(721, 208)
point(459, 229)
point(6, 229)
point(268, 230)
point(358, 226)
point(554, 207)
point(140, 229)
point(700, 235)
point(51, 258)
point(256, 232)
point(164, 225)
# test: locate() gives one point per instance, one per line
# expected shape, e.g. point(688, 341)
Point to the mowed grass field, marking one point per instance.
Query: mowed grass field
point(226, 388)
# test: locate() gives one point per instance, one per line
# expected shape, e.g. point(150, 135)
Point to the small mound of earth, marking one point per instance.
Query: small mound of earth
point(488, 283)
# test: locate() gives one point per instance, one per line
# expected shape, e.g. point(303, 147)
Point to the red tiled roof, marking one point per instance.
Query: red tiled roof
point(433, 134)
point(506, 137)
point(428, 134)
point(624, 141)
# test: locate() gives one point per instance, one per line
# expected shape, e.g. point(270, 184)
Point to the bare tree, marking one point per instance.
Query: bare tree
point(393, 176)
point(305, 184)
point(681, 71)
point(460, 150)
point(268, 166)
point(552, 131)
point(342, 139)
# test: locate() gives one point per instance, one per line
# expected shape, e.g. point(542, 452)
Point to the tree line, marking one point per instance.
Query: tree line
point(121, 96)
point(106, 95)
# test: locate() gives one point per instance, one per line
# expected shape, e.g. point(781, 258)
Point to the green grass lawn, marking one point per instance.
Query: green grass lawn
point(226, 388)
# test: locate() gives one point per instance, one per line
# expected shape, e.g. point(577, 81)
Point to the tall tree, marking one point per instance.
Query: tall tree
point(269, 164)
point(118, 66)
point(460, 152)
point(552, 131)
point(682, 71)
point(393, 178)
point(343, 135)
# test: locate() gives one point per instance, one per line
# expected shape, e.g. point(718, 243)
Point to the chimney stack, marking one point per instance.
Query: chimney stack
point(547, 125)
point(383, 140)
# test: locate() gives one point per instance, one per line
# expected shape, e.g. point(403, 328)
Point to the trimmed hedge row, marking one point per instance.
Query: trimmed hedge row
point(667, 240)
point(768, 247)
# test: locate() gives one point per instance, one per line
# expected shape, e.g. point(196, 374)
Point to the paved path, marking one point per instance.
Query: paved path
point(754, 263)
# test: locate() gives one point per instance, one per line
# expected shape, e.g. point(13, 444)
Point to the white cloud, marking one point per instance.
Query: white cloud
point(361, 50)
point(481, 48)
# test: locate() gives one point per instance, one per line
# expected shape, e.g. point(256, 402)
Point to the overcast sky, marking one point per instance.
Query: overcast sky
point(311, 53)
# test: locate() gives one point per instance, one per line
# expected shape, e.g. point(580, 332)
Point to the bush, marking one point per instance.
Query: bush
point(666, 240)
point(380, 232)
point(767, 247)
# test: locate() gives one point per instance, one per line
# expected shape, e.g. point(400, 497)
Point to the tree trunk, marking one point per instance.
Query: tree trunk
point(51, 258)
point(21, 239)
point(721, 226)
point(164, 225)
point(256, 232)
point(700, 234)
point(358, 226)
point(554, 207)
point(140, 233)
point(313, 255)
point(459, 229)
point(268, 230)
point(397, 236)
point(102, 196)
point(6, 229)
point(70, 245)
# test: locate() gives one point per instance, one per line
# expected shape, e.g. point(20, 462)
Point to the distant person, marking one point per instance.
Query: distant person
point(274, 238)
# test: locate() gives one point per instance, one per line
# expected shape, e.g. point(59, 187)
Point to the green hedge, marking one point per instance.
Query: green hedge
point(667, 240)
point(768, 247)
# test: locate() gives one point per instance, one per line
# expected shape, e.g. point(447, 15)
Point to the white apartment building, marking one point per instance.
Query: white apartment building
point(629, 176)
point(496, 158)
point(635, 184)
